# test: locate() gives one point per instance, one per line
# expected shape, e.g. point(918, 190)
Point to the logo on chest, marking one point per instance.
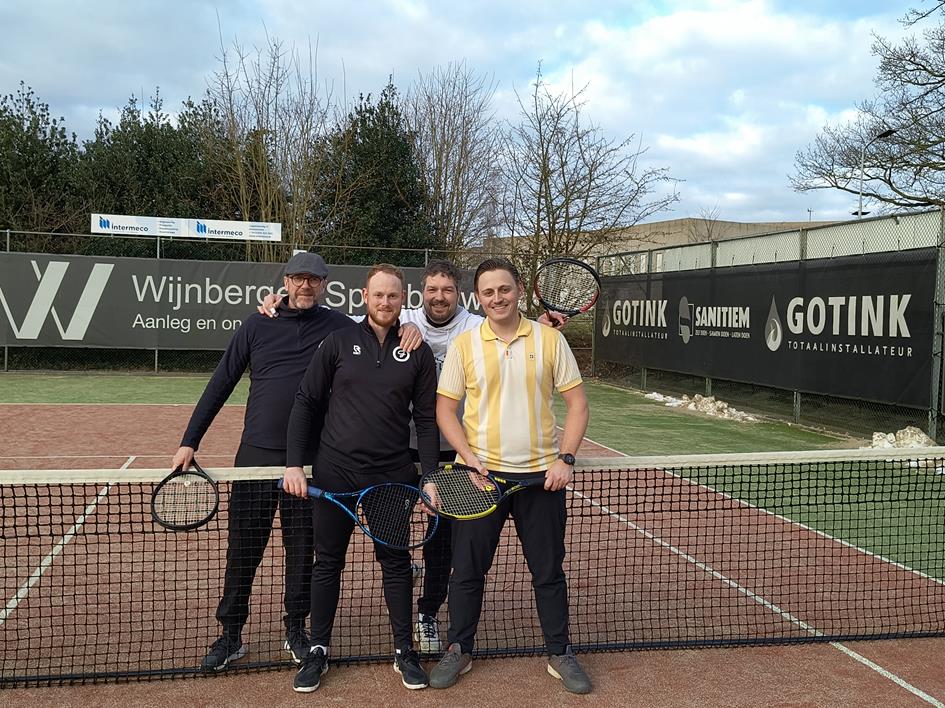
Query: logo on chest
point(356, 350)
point(401, 355)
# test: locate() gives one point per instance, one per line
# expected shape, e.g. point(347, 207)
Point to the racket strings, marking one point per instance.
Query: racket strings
point(453, 493)
point(391, 514)
point(185, 499)
point(568, 286)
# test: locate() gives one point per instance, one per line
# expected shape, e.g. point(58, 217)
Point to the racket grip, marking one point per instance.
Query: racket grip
point(312, 491)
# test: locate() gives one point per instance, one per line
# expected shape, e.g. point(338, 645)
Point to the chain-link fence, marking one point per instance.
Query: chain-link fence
point(867, 244)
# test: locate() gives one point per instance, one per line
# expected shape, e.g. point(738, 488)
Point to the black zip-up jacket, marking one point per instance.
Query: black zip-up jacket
point(277, 351)
point(354, 405)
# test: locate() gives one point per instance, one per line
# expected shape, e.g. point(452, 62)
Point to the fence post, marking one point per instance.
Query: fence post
point(158, 256)
point(643, 378)
point(6, 349)
point(708, 386)
point(938, 310)
point(797, 407)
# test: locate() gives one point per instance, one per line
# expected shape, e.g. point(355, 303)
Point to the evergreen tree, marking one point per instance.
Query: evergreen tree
point(376, 170)
point(38, 159)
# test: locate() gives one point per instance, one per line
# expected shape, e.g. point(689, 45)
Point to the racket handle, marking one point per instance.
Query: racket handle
point(312, 491)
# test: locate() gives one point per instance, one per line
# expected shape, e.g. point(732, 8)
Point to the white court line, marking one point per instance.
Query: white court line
point(885, 673)
point(792, 522)
point(44, 565)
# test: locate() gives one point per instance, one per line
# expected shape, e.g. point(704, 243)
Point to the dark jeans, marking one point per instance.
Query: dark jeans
point(540, 518)
point(333, 529)
point(436, 557)
point(252, 508)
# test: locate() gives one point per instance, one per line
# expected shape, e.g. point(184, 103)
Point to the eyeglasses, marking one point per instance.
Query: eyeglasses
point(298, 280)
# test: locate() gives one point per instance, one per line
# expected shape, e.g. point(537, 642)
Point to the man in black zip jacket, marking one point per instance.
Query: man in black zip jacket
point(353, 411)
point(277, 352)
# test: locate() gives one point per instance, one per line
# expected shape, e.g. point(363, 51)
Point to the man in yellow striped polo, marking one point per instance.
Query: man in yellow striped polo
point(508, 369)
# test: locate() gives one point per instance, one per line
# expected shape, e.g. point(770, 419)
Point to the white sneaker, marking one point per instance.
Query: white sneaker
point(427, 635)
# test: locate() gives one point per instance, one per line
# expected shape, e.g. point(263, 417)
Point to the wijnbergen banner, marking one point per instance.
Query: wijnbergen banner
point(141, 303)
point(124, 225)
point(856, 326)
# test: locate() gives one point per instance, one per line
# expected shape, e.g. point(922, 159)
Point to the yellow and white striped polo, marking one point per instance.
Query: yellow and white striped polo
point(508, 419)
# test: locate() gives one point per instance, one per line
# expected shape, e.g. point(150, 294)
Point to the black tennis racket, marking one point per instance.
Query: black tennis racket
point(388, 513)
point(460, 492)
point(566, 285)
point(185, 499)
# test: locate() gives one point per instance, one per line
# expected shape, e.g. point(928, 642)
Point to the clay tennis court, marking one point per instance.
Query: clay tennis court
point(702, 557)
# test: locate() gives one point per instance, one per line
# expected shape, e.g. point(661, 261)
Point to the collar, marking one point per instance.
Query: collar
point(437, 325)
point(524, 329)
point(394, 328)
point(286, 311)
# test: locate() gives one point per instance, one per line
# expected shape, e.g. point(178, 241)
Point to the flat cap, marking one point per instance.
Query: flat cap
point(306, 262)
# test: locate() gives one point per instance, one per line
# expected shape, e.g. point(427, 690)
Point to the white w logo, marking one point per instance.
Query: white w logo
point(42, 305)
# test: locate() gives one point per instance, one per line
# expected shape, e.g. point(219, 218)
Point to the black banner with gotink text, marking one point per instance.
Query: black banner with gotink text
point(853, 326)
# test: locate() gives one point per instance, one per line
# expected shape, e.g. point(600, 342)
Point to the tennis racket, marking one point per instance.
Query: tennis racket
point(185, 499)
point(387, 513)
point(567, 286)
point(460, 492)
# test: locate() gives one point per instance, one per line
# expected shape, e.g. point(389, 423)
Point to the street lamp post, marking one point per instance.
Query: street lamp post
point(879, 136)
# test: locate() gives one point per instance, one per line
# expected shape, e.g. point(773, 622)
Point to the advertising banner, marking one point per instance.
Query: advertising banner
point(854, 326)
point(191, 228)
point(141, 303)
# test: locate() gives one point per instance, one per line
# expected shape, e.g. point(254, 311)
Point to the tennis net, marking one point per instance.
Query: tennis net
point(662, 552)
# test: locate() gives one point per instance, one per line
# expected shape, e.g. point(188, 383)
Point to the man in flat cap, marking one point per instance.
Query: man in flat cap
point(277, 352)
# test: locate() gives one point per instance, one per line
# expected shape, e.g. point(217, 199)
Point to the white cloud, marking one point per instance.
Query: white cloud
point(724, 92)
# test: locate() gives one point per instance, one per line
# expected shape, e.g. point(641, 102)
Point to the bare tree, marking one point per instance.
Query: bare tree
point(274, 123)
point(569, 189)
point(896, 146)
point(456, 138)
point(706, 228)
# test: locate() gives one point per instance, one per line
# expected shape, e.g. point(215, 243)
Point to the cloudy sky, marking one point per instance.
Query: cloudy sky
point(723, 92)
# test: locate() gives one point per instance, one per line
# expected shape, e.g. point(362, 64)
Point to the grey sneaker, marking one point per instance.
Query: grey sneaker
point(566, 667)
point(453, 665)
point(427, 634)
point(222, 652)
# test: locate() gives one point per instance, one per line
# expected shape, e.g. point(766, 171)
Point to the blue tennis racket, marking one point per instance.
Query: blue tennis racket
point(388, 513)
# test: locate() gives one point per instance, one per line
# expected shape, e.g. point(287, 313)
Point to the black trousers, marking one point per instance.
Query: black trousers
point(540, 518)
point(436, 557)
point(333, 529)
point(252, 508)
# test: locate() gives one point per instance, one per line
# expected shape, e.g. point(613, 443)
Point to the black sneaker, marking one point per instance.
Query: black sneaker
point(314, 664)
point(222, 652)
point(297, 643)
point(407, 664)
